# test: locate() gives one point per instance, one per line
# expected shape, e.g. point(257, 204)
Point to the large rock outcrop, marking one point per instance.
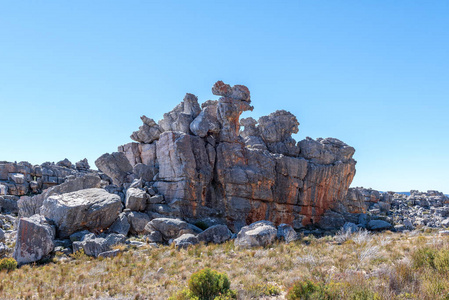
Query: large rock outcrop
point(209, 164)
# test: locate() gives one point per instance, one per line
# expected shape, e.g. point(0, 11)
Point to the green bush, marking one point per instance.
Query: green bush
point(308, 290)
point(427, 257)
point(208, 284)
point(8, 264)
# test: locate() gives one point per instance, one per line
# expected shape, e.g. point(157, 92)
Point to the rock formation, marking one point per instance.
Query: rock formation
point(205, 165)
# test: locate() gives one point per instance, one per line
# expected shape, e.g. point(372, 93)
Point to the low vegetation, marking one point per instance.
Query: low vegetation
point(359, 266)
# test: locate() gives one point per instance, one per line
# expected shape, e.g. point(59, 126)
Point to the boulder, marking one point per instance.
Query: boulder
point(258, 234)
point(92, 209)
point(94, 245)
point(182, 115)
point(82, 165)
point(349, 227)
point(378, 225)
point(34, 239)
point(116, 166)
point(136, 199)
point(138, 221)
point(148, 132)
point(120, 225)
point(286, 233)
point(186, 240)
point(171, 228)
point(216, 234)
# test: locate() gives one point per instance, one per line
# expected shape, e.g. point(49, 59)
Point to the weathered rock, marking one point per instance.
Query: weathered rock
point(138, 221)
point(206, 122)
point(94, 245)
point(29, 206)
point(64, 163)
point(186, 240)
point(216, 234)
point(82, 165)
point(205, 167)
point(153, 237)
point(136, 199)
point(182, 115)
point(115, 165)
point(276, 130)
point(286, 233)
point(258, 234)
point(349, 227)
point(171, 228)
point(2, 235)
point(148, 132)
point(34, 239)
point(121, 225)
point(92, 209)
point(110, 253)
point(8, 204)
point(379, 225)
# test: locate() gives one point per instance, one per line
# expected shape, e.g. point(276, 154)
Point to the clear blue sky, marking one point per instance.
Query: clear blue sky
point(75, 76)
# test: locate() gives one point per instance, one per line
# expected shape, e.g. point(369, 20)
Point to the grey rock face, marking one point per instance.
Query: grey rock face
point(95, 245)
point(92, 209)
point(136, 199)
point(116, 166)
point(34, 239)
point(258, 234)
point(216, 234)
point(171, 228)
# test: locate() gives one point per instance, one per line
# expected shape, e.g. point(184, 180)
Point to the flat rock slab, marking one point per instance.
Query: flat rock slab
point(91, 209)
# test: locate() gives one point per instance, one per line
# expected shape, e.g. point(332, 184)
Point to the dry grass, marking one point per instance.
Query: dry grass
point(363, 266)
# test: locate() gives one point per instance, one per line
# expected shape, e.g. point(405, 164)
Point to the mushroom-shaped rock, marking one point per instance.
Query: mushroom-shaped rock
point(34, 239)
point(92, 209)
point(239, 92)
point(261, 233)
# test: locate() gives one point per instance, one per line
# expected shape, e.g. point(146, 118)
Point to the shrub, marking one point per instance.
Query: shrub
point(431, 258)
point(208, 284)
point(8, 264)
point(305, 290)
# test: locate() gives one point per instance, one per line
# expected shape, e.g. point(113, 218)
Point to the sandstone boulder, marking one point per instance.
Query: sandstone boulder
point(258, 234)
point(34, 239)
point(136, 199)
point(92, 209)
point(216, 234)
point(171, 228)
point(116, 166)
point(95, 245)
